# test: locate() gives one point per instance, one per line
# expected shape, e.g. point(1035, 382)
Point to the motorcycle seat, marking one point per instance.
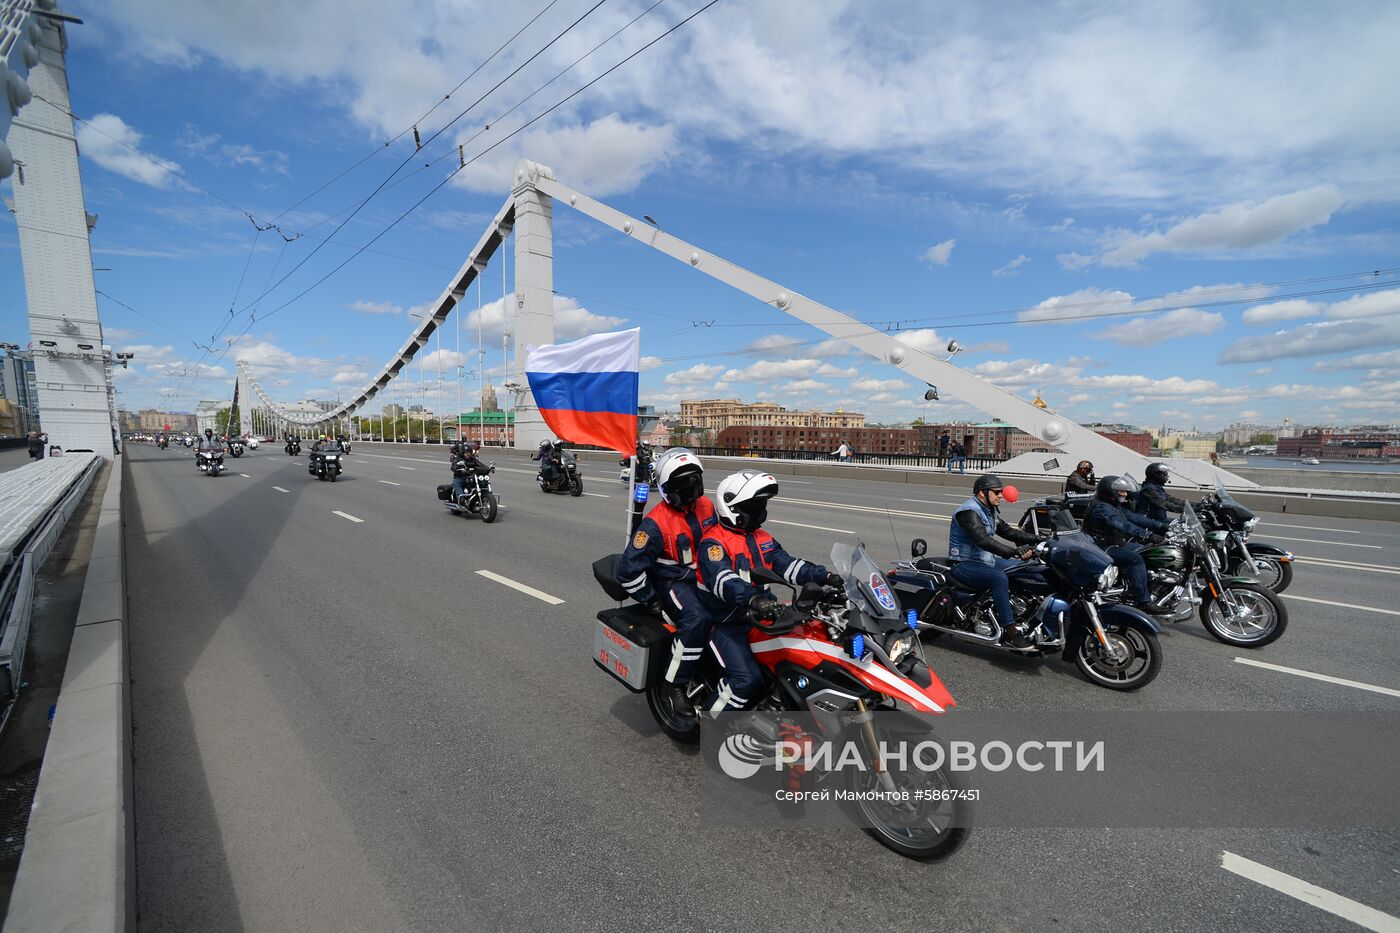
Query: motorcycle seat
point(933, 565)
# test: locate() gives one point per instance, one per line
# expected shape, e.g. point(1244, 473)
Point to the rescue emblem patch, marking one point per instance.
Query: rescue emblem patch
point(639, 540)
point(716, 552)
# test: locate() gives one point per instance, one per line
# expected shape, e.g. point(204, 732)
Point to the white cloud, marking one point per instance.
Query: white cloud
point(651, 362)
point(925, 339)
point(698, 374)
point(350, 377)
point(1281, 311)
point(1073, 262)
point(571, 320)
point(880, 385)
point(1077, 304)
point(1388, 359)
point(212, 147)
point(1236, 226)
point(837, 372)
point(1367, 304)
point(938, 255)
point(107, 140)
point(1013, 267)
point(803, 386)
point(608, 156)
point(1146, 331)
point(375, 307)
point(1370, 320)
point(773, 370)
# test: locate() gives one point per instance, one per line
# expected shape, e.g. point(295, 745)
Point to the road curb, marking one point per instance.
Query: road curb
point(76, 872)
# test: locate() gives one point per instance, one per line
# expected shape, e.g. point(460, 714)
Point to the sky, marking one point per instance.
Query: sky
point(1175, 212)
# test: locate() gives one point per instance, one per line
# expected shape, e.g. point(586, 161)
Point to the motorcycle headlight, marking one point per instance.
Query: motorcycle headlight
point(1249, 525)
point(899, 647)
point(1108, 577)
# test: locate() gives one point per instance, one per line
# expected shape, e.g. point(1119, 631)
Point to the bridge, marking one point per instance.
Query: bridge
point(282, 704)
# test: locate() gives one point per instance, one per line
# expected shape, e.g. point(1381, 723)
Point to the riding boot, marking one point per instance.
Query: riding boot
point(681, 707)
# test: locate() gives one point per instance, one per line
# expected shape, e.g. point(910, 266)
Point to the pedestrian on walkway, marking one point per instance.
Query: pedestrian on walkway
point(943, 440)
point(36, 446)
point(843, 453)
point(957, 457)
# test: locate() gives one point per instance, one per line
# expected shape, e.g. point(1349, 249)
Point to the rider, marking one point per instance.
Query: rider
point(208, 444)
point(727, 554)
point(1082, 479)
point(1153, 500)
point(548, 456)
point(659, 565)
point(323, 446)
point(1113, 524)
point(464, 461)
point(980, 560)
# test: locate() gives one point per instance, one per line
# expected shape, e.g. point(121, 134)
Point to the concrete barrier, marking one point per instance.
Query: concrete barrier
point(77, 870)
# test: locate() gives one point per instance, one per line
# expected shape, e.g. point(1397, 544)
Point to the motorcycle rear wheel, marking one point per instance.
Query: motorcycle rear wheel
point(1139, 669)
point(488, 508)
point(660, 705)
point(1266, 621)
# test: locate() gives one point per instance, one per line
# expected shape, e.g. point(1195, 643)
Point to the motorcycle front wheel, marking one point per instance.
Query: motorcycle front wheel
point(1249, 617)
point(334, 474)
point(922, 826)
point(488, 508)
point(576, 486)
point(1135, 662)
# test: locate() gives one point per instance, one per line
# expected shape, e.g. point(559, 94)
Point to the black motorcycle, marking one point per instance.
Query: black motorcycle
point(1227, 528)
point(293, 448)
point(565, 478)
point(646, 466)
point(477, 497)
point(1062, 597)
point(325, 466)
point(235, 449)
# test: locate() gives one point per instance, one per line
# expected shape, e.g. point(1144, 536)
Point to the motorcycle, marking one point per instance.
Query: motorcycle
point(477, 498)
point(646, 466)
point(845, 650)
point(566, 476)
point(1227, 526)
point(1063, 597)
point(1186, 575)
point(252, 443)
point(345, 446)
point(235, 449)
point(209, 463)
point(188, 441)
point(325, 466)
point(163, 444)
point(293, 448)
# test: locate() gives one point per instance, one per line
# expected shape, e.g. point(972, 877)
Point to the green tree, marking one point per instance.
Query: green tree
point(221, 421)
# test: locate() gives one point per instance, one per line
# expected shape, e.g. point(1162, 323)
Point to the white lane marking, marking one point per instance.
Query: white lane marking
point(939, 495)
point(528, 590)
point(1374, 547)
point(840, 531)
point(387, 483)
point(1322, 677)
point(407, 468)
point(597, 495)
point(348, 516)
point(1340, 531)
point(280, 489)
point(1321, 898)
point(246, 475)
point(1369, 568)
point(1329, 602)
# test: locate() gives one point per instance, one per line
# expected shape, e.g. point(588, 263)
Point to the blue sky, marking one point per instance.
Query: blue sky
point(1149, 212)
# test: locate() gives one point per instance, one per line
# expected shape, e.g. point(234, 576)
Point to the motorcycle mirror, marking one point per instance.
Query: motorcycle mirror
point(918, 548)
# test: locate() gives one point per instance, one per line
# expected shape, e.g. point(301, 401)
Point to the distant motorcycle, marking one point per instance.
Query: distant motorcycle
point(292, 447)
point(162, 443)
point(324, 466)
point(235, 449)
point(477, 498)
point(1227, 526)
point(210, 463)
point(646, 466)
point(566, 477)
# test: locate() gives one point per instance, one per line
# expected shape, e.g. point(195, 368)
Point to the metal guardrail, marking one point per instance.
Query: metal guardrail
point(967, 464)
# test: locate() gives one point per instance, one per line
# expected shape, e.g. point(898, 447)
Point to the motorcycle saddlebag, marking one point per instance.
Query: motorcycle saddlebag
point(445, 492)
point(629, 643)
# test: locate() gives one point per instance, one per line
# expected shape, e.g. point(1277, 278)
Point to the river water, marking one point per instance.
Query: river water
point(1326, 466)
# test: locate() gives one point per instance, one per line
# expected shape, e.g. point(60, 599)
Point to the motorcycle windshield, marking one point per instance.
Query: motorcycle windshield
point(1077, 558)
point(1194, 526)
point(1229, 503)
point(865, 584)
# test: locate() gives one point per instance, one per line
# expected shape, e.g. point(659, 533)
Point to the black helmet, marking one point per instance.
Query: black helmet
point(1157, 473)
point(1116, 489)
point(988, 481)
point(208, 432)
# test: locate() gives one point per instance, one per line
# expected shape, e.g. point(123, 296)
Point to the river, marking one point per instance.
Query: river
point(1326, 466)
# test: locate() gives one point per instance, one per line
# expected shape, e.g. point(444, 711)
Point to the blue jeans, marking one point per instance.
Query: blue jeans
point(1130, 563)
point(976, 575)
point(960, 461)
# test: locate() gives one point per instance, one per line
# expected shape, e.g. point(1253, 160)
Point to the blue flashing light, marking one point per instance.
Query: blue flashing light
point(911, 619)
point(858, 646)
point(642, 491)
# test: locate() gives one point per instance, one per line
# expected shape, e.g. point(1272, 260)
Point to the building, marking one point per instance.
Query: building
point(1189, 445)
point(10, 420)
point(822, 440)
point(206, 415)
point(393, 410)
point(1240, 433)
point(20, 388)
point(1135, 439)
point(1365, 443)
point(491, 427)
point(718, 414)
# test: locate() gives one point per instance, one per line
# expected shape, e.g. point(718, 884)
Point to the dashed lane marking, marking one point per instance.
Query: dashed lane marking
point(1374, 547)
point(1330, 602)
point(387, 483)
point(246, 475)
point(1322, 677)
point(280, 489)
point(840, 531)
point(407, 468)
point(597, 495)
point(1369, 568)
point(1358, 913)
point(1340, 531)
point(348, 517)
point(515, 585)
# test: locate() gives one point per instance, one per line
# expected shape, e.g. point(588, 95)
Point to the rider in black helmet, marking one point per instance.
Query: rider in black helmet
point(1153, 500)
point(1113, 524)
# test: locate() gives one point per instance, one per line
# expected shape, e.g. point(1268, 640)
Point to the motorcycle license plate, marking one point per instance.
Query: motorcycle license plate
point(621, 657)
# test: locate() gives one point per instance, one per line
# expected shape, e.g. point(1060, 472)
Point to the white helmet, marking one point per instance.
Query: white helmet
point(742, 499)
point(680, 477)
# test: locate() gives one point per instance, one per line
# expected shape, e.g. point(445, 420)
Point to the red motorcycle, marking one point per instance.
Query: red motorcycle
point(836, 653)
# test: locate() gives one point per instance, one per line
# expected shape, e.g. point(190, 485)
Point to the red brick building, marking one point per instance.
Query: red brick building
point(1336, 444)
point(818, 440)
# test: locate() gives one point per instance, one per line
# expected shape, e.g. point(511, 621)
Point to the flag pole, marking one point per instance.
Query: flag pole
point(634, 514)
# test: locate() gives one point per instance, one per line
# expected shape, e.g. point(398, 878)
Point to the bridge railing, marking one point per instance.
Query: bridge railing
point(975, 463)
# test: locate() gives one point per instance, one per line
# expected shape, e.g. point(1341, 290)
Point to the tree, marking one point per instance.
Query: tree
point(221, 421)
point(917, 423)
point(1264, 440)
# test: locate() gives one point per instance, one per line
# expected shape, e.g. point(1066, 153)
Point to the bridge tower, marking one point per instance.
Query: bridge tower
point(534, 290)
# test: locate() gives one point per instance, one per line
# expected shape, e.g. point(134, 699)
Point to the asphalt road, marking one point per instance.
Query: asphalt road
point(340, 724)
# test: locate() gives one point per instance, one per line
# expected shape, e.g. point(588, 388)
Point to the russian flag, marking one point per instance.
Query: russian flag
point(587, 389)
